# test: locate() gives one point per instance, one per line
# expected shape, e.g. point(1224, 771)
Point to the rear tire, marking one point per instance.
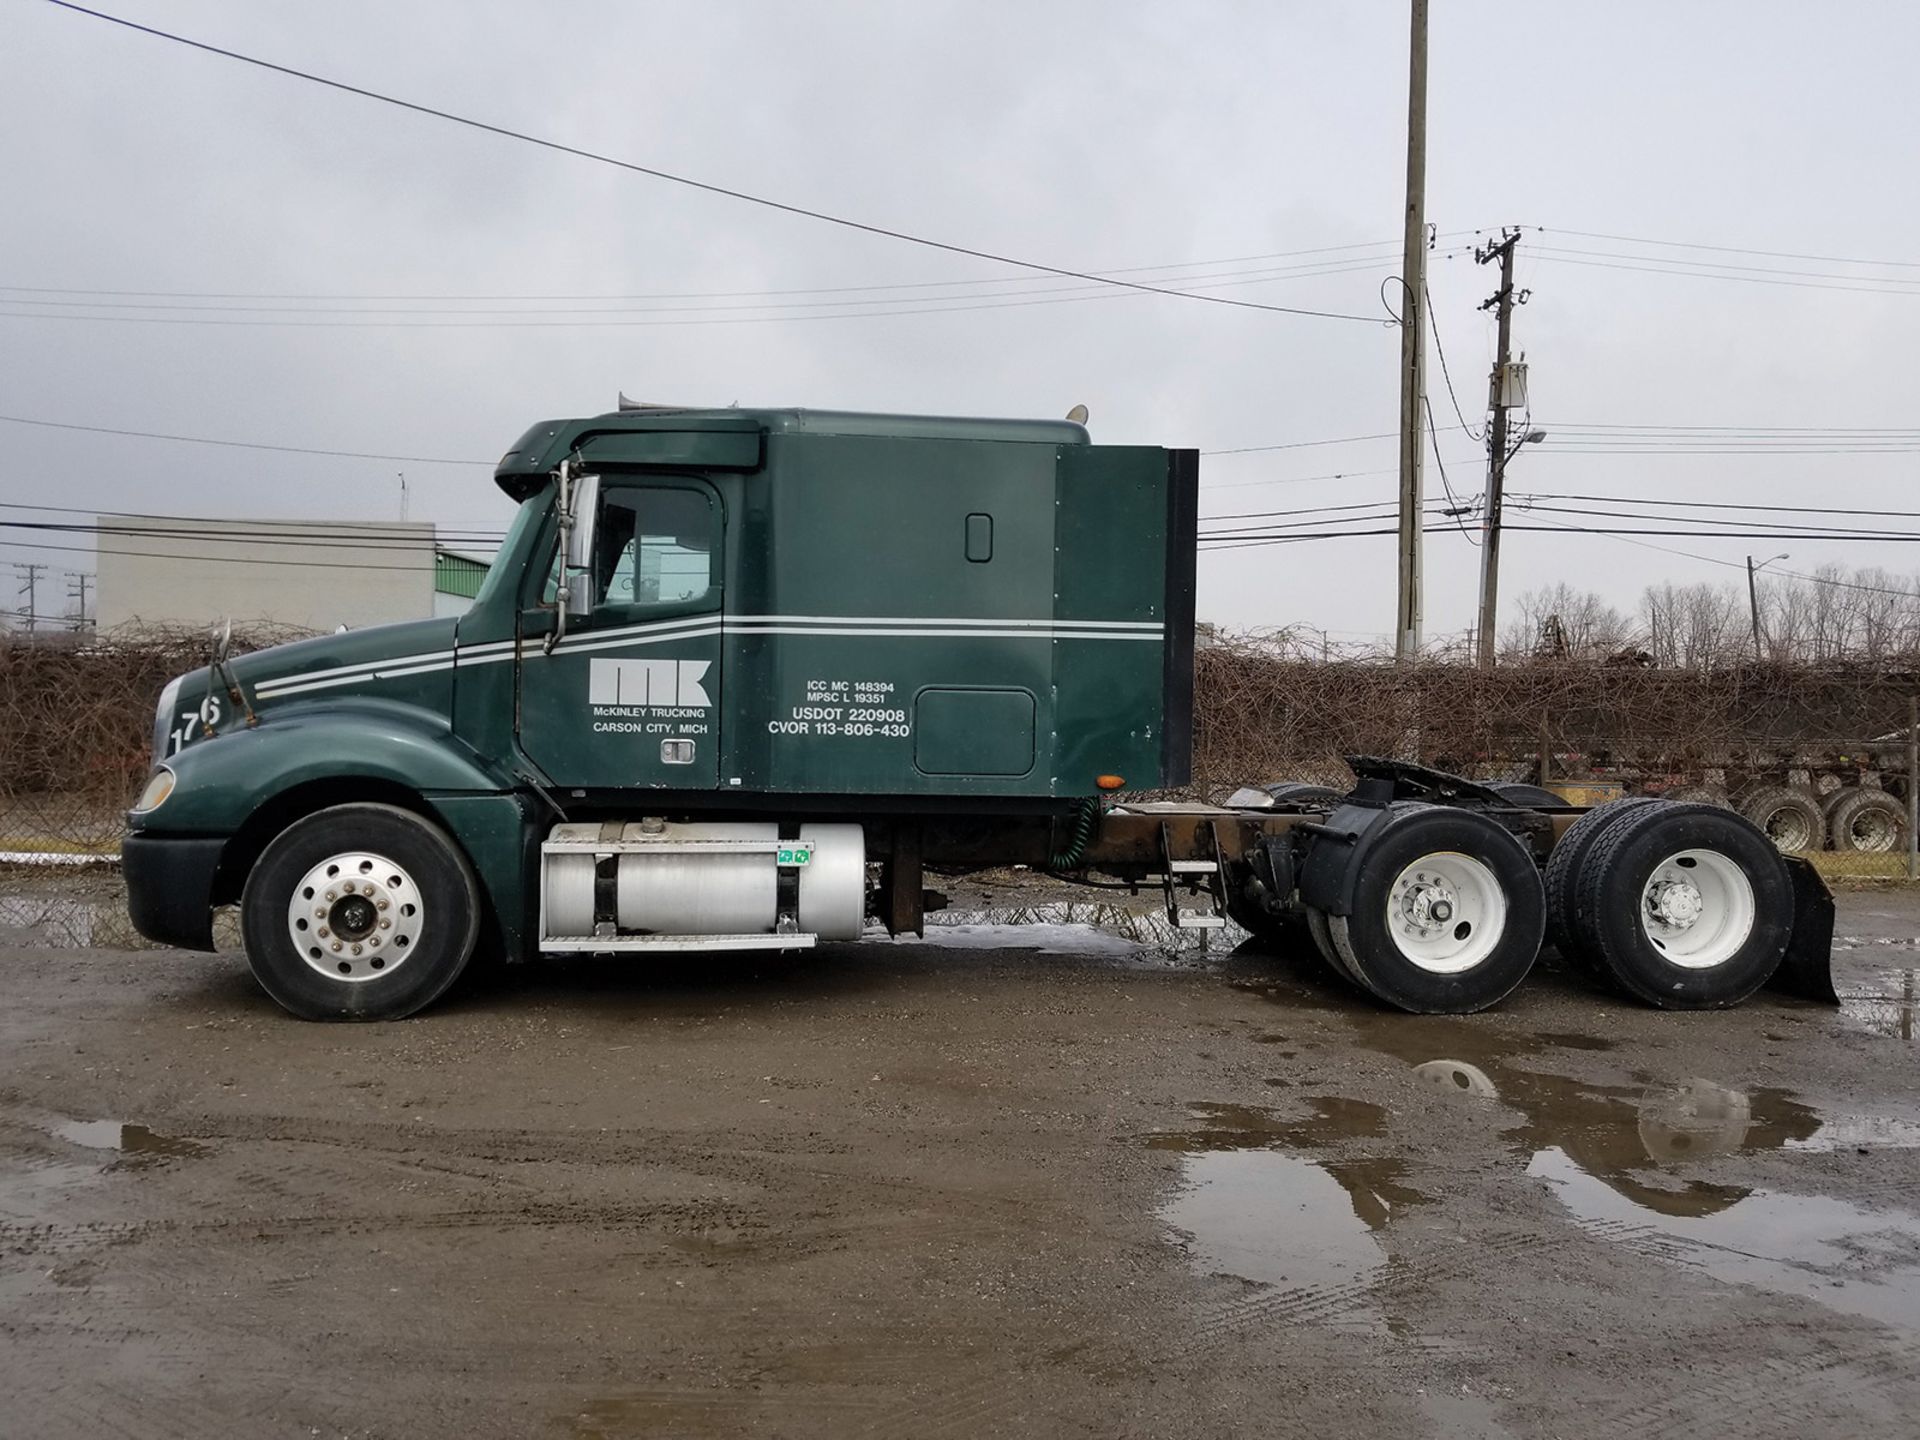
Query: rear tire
point(1317, 927)
point(1564, 866)
point(1867, 821)
point(359, 912)
point(1790, 818)
point(1687, 907)
point(1448, 912)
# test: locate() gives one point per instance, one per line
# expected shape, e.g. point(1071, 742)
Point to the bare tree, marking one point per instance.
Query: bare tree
point(1558, 619)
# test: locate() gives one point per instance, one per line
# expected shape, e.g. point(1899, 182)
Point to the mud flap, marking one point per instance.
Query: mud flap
point(1807, 968)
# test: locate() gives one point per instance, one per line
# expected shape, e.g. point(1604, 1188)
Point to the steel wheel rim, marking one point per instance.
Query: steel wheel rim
point(1789, 829)
point(1446, 913)
point(355, 917)
point(1874, 831)
point(1697, 909)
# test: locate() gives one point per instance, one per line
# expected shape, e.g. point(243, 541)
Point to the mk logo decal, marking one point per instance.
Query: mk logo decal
point(648, 682)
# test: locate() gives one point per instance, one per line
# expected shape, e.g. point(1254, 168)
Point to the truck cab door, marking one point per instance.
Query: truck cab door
point(630, 696)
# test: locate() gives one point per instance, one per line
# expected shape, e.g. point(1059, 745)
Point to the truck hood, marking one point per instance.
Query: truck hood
point(302, 665)
point(415, 655)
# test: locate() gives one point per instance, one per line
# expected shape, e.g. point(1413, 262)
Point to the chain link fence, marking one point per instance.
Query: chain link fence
point(1819, 757)
point(76, 731)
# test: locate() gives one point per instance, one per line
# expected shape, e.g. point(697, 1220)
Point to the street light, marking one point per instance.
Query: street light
point(1753, 597)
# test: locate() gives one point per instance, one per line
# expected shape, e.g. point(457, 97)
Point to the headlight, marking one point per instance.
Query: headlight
point(156, 793)
point(163, 717)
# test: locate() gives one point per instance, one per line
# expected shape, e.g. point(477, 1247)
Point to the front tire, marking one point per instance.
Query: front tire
point(359, 912)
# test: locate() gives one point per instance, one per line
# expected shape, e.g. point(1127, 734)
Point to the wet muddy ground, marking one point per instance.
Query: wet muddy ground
point(1053, 1172)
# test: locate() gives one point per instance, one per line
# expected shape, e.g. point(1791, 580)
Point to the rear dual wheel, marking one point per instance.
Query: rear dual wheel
point(1447, 913)
point(1682, 906)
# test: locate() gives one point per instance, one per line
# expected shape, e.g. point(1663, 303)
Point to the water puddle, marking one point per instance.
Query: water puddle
point(1860, 1262)
point(138, 1144)
point(1081, 927)
point(1272, 1219)
point(66, 922)
point(1247, 1208)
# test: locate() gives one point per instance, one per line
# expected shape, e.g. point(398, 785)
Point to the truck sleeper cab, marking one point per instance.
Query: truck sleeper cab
point(723, 661)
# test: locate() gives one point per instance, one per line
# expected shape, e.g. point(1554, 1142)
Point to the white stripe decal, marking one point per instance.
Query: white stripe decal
point(364, 667)
point(696, 627)
point(953, 621)
point(876, 633)
point(387, 673)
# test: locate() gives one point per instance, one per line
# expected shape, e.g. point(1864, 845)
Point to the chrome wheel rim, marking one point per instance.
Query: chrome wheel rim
point(355, 917)
point(1697, 909)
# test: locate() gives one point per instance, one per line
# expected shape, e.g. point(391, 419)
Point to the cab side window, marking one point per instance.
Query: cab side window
point(653, 546)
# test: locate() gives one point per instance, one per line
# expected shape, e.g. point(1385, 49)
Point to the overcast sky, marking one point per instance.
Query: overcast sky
point(1085, 135)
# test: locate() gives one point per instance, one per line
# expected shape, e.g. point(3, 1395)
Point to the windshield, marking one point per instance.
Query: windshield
point(525, 519)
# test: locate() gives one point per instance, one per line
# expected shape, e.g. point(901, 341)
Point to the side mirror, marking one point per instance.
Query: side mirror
point(585, 501)
point(221, 636)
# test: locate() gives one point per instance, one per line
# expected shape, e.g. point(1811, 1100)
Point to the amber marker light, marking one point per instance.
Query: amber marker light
point(1109, 782)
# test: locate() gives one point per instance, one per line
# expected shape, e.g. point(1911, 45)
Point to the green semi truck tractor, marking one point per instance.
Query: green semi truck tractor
point(737, 676)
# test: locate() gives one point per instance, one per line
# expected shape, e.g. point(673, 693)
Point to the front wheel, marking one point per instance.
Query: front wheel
point(359, 912)
point(1447, 915)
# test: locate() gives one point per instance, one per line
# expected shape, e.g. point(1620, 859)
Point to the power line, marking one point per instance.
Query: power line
point(703, 185)
point(1552, 259)
point(1447, 375)
point(687, 316)
point(206, 559)
point(614, 305)
point(1810, 532)
point(250, 537)
point(1716, 266)
point(1729, 249)
point(1737, 565)
point(348, 528)
point(447, 298)
point(1304, 444)
point(1719, 505)
point(1745, 429)
point(241, 444)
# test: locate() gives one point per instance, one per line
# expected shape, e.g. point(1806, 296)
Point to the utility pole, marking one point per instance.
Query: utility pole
point(1413, 379)
point(1498, 451)
point(77, 584)
point(29, 587)
point(403, 495)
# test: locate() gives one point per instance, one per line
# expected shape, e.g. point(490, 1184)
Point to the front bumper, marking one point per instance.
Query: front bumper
point(170, 887)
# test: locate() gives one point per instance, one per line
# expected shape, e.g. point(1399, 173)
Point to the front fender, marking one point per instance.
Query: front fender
point(222, 780)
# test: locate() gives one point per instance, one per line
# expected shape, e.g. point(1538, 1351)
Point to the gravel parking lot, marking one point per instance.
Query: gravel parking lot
point(1032, 1179)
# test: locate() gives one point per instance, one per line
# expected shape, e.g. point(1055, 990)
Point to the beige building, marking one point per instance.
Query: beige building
point(316, 575)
